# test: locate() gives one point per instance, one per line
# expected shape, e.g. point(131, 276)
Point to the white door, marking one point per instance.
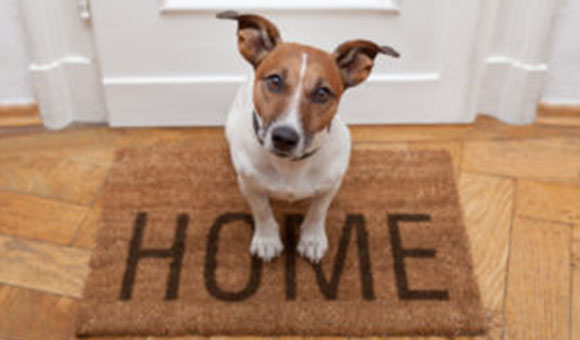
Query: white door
point(171, 63)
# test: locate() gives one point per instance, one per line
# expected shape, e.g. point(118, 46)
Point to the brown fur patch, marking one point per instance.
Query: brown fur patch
point(257, 36)
point(355, 59)
point(286, 61)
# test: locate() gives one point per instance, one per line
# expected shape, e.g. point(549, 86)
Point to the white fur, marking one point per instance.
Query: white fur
point(291, 117)
point(262, 175)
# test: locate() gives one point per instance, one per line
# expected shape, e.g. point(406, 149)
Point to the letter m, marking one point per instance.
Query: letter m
point(329, 287)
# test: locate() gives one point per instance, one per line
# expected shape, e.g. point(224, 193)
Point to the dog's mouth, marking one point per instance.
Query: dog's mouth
point(281, 154)
point(291, 156)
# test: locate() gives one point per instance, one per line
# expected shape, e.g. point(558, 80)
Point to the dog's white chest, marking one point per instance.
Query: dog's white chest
point(293, 185)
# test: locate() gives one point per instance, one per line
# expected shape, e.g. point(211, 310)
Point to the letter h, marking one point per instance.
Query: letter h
point(136, 253)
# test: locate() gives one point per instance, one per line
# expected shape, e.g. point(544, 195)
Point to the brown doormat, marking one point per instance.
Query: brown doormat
point(172, 253)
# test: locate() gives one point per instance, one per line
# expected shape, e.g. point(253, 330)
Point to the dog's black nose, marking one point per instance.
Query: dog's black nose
point(284, 138)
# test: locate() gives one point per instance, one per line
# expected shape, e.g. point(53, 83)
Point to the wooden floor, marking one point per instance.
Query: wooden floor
point(520, 191)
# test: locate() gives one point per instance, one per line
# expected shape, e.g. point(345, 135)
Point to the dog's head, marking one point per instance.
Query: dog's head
point(297, 88)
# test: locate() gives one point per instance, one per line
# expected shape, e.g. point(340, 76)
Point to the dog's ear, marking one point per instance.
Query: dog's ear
point(355, 60)
point(257, 36)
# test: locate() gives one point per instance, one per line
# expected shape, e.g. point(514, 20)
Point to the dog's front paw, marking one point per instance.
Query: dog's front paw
point(313, 246)
point(266, 247)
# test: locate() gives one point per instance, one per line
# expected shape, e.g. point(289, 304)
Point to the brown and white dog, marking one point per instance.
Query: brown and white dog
point(286, 140)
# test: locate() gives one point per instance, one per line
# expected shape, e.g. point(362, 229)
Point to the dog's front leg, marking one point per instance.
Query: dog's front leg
point(313, 242)
point(266, 242)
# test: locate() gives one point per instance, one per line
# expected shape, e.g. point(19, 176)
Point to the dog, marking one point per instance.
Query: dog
point(286, 140)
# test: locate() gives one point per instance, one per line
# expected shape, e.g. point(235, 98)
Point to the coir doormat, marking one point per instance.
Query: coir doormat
point(172, 253)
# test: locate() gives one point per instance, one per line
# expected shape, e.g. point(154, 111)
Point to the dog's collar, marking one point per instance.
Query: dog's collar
point(256, 126)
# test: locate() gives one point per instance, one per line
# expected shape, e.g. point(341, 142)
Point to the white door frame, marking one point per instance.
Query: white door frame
point(514, 51)
point(63, 72)
point(510, 57)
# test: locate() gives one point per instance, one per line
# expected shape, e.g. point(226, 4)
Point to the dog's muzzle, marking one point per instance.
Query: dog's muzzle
point(284, 138)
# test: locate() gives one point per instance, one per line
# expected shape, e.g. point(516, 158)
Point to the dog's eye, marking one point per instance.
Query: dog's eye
point(321, 95)
point(275, 83)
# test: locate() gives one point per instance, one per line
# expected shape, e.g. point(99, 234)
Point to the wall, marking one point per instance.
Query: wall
point(14, 83)
point(563, 85)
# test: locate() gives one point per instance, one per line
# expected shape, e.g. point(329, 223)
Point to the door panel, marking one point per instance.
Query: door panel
point(171, 63)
